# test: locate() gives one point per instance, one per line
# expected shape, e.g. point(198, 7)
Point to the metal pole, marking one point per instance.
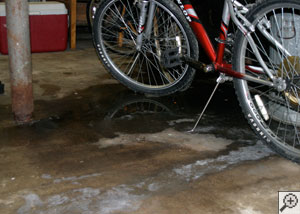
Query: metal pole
point(18, 37)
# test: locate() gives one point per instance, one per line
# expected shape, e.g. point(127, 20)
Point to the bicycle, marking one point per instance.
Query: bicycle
point(163, 38)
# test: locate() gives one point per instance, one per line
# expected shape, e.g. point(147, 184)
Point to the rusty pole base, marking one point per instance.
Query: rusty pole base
point(22, 102)
point(23, 119)
point(18, 40)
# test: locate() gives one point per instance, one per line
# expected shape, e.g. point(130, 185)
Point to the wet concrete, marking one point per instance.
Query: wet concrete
point(96, 147)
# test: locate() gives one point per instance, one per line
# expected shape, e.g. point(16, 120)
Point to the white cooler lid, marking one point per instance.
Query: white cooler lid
point(41, 8)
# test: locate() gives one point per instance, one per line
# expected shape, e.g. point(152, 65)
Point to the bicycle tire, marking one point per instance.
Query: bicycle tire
point(271, 113)
point(91, 8)
point(148, 75)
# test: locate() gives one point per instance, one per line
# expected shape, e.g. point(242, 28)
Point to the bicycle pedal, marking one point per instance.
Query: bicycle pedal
point(229, 41)
point(170, 58)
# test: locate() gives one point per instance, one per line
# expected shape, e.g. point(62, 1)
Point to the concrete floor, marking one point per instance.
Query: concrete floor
point(96, 147)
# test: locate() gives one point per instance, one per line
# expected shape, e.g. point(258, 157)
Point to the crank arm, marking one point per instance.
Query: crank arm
point(194, 63)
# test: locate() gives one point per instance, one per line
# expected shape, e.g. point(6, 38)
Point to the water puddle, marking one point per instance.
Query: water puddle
point(107, 150)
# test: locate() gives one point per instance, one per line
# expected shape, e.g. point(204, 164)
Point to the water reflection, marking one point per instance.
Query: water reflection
point(103, 111)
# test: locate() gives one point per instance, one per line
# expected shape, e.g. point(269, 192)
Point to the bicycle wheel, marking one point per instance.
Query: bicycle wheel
point(115, 33)
point(273, 114)
point(91, 9)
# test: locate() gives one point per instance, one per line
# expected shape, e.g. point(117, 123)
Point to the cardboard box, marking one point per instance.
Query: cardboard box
point(48, 27)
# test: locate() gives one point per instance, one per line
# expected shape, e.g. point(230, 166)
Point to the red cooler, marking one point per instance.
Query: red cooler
point(48, 27)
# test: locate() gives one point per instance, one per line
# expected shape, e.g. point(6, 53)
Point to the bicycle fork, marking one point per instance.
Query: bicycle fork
point(147, 8)
point(247, 28)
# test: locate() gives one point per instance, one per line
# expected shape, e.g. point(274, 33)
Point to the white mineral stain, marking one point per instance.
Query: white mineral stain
point(198, 142)
point(56, 200)
point(153, 187)
point(249, 210)
point(118, 199)
point(75, 178)
point(201, 167)
point(183, 120)
point(46, 176)
point(32, 202)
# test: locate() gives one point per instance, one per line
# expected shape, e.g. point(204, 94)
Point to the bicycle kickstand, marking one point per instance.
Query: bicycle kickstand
point(221, 79)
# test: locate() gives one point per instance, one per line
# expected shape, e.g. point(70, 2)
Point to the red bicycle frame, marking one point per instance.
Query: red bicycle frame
point(216, 57)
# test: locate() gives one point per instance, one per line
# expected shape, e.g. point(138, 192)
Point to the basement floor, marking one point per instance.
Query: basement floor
point(96, 147)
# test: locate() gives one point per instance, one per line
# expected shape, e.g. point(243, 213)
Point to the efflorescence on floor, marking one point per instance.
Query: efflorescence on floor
point(96, 147)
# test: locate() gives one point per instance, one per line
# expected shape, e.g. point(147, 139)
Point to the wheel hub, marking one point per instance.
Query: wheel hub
point(289, 70)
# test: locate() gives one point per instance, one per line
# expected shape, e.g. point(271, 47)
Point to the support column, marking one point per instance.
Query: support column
point(18, 37)
point(73, 14)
